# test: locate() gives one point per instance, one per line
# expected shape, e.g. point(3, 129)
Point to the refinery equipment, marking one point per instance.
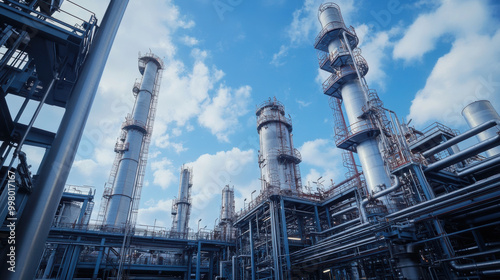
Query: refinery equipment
point(227, 214)
point(181, 207)
point(122, 194)
point(418, 207)
point(415, 203)
point(278, 159)
point(49, 61)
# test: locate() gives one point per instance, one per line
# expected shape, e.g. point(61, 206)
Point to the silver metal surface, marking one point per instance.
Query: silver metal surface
point(329, 12)
point(126, 178)
point(183, 203)
point(277, 157)
point(33, 229)
point(480, 112)
point(228, 207)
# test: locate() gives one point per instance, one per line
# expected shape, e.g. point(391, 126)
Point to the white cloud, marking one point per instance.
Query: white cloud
point(162, 173)
point(277, 57)
point(303, 103)
point(375, 47)
point(221, 114)
point(158, 214)
point(211, 172)
point(457, 18)
point(325, 160)
point(464, 74)
point(189, 41)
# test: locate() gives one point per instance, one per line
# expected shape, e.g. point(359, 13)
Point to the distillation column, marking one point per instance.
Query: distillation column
point(133, 145)
point(278, 159)
point(227, 212)
point(347, 83)
point(181, 208)
point(479, 112)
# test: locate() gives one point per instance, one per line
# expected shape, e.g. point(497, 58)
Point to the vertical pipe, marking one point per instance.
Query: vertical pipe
point(33, 229)
point(274, 236)
point(99, 259)
point(82, 212)
point(189, 266)
point(285, 240)
point(198, 262)
point(316, 218)
point(328, 219)
point(252, 257)
point(50, 263)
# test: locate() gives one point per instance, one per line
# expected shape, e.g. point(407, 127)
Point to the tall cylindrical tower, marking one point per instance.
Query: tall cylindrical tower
point(132, 147)
point(341, 58)
point(181, 208)
point(278, 159)
point(479, 112)
point(227, 211)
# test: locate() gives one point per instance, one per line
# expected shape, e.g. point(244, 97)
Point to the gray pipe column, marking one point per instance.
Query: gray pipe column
point(33, 229)
point(126, 177)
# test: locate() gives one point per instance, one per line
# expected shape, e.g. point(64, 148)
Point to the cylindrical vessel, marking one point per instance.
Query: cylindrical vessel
point(479, 112)
point(329, 13)
point(181, 219)
point(135, 126)
point(227, 208)
point(277, 157)
point(348, 69)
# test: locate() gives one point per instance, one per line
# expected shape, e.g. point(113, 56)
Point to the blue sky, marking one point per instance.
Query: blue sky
point(428, 59)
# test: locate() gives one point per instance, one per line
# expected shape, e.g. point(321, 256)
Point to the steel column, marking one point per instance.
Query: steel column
point(34, 228)
point(285, 241)
point(99, 258)
point(252, 257)
point(198, 262)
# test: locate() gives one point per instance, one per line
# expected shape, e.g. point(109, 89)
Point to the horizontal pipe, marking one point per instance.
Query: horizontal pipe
point(338, 249)
point(478, 167)
point(488, 183)
point(348, 223)
point(341, 212)
point(339, 238)
point(474, 266)
point(490, 272)
point(459, 138)
point(474, 150)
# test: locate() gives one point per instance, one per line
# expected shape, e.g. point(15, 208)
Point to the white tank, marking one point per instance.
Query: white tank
point(479, 112)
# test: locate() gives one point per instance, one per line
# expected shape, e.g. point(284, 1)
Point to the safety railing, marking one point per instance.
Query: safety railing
point(354, 129)
point(335, 77)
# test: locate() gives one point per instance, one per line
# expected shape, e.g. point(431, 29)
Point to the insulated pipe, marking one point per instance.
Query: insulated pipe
point(474, 150)
point(478, 167)
point(395, 186)
point(475, 266)
point(337, 249)
point(348, 223)
point(459, 138)
point(349, 209)
point(34, 227)
point(485, 184)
